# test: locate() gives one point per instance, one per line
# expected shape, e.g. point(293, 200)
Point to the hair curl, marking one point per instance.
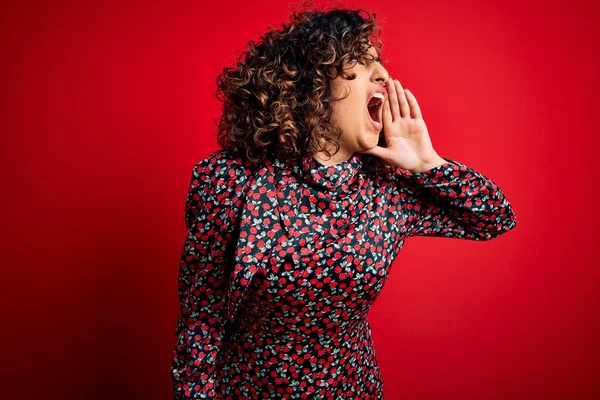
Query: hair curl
point(276, 99)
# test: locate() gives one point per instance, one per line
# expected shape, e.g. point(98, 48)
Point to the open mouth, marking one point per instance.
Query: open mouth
point(375, 110)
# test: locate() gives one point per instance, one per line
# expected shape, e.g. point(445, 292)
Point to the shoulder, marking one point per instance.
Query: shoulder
point(221, 178)
point(217, 187)
point(221, 168)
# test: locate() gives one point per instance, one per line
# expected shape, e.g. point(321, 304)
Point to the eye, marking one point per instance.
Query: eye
point(354, 61)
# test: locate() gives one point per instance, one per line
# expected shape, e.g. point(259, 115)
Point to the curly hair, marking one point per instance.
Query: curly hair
point(276, 99)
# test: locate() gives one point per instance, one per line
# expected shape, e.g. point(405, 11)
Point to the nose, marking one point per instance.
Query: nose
point(380, 74)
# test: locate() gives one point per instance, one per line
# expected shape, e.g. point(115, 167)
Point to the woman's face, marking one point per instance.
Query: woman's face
point(360, 124)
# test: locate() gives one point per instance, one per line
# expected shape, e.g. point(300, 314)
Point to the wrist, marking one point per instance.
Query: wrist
point(436, 161)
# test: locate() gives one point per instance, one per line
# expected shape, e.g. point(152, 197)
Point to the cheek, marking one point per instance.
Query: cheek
point(342, 108)
point(349, 111)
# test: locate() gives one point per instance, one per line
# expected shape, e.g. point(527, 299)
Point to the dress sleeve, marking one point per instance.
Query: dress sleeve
point(453, 200)
point(211, 217)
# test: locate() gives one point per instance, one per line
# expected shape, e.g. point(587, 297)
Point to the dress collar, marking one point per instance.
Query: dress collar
point(331, 178)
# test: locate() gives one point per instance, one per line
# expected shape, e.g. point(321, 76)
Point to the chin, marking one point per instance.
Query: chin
point(370, 140)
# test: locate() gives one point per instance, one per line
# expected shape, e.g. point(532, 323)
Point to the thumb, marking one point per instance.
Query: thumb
point(377, 151)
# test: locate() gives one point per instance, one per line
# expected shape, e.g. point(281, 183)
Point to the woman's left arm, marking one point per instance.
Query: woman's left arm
point(453, 200)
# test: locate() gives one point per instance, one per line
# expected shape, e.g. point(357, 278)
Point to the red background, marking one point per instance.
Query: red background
point(107, 106)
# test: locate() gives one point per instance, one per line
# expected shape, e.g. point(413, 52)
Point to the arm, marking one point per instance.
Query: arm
point(211, 216)
point(453, 200)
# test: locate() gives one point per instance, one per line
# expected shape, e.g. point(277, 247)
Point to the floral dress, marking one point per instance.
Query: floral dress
point(284, 260)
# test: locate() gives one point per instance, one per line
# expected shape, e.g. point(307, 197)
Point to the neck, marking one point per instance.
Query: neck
point(342, 155)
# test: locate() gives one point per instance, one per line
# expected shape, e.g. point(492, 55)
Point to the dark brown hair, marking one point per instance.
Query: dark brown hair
point(276, 98)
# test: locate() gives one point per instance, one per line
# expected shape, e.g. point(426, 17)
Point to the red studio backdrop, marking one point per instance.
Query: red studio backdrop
point(107, 106)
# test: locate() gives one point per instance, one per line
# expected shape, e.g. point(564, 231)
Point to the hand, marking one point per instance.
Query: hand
point(408, 143)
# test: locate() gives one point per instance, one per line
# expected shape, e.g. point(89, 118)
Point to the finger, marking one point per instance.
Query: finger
point(404, 107)
point(387, 113)
point(393, 98)
point(414, 106)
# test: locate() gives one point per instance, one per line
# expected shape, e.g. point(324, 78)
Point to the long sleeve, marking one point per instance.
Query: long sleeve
point(211, 217)
point(453, 200)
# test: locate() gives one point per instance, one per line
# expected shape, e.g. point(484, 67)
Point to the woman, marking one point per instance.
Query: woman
point(326, 168)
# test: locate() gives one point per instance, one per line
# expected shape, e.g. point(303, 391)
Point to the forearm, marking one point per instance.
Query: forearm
point(455, 200)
